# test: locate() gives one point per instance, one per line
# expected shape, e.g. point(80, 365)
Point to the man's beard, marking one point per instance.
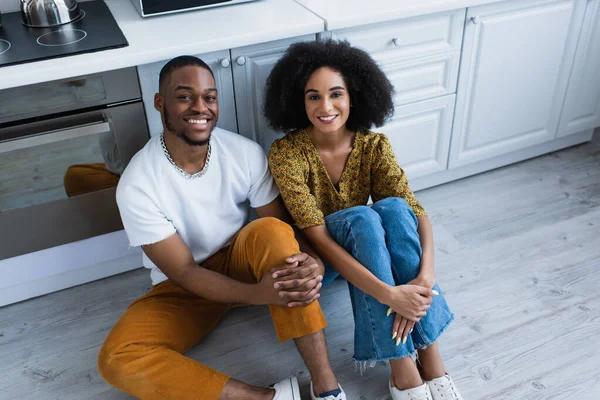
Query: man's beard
point(181, 134)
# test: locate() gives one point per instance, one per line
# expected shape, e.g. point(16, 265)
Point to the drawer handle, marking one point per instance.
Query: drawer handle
point(225, 63)
point(396, 41)
point(476, 19)
point(241, 60)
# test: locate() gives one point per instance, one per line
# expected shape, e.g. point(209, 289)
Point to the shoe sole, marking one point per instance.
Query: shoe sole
point(295, 388)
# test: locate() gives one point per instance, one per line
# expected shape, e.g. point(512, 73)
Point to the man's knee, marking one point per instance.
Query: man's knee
point(113, 360)
point(270, 230)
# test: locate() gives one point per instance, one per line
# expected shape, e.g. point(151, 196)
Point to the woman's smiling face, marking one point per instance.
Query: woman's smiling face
point(327, 100)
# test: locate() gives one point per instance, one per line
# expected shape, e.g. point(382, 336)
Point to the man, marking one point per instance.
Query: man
point(184, 198)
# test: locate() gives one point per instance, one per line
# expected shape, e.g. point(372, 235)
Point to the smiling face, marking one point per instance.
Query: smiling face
point(327, 100)
point(188, 103)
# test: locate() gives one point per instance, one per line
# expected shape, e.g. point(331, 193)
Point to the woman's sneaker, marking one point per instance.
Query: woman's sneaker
point(443, 388)
point(417, 393)
point(287, 389)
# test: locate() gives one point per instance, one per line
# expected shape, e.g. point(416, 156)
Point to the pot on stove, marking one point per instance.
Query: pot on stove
point(46, 13)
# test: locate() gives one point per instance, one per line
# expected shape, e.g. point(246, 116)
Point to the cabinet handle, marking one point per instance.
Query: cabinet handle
point(225, 63)
point(396, 41)
point(476, 19)
point(241, 60)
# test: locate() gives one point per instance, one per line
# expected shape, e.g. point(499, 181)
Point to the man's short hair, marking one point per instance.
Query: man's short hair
point(179, 62)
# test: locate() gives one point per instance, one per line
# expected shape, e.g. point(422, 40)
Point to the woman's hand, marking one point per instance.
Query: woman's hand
point(410, 301)
point(401, 329)
point(423, 280)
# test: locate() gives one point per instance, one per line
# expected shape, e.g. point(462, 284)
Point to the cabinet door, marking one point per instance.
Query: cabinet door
point(251, 68)
point(219, 62)
point(582, 105)
point(420, 135)
point(516, 61)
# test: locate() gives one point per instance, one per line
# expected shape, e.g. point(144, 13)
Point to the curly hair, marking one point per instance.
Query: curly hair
point(371, 93)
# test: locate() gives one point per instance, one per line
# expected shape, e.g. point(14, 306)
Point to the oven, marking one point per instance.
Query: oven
point(63, 147)
point(148, 8)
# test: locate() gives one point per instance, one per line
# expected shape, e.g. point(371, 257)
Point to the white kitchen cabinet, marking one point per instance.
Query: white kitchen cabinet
point(409, 37)
point(581, 110)
point(422, 78)
point(420, 135)
point(516, 61)
point(219, 62)
point(251, 68)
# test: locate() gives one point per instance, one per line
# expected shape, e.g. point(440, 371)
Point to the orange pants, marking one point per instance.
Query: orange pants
point(143, 353)
point(86, 178)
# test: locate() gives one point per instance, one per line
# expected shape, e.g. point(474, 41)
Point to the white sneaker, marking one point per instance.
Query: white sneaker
point(443, 388)
point(417, 393)
point(287, 389)
point(341, 396)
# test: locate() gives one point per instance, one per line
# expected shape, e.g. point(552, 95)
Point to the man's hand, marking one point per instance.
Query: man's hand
point(299, 280)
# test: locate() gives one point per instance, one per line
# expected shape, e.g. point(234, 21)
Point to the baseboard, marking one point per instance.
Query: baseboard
point(65, 266)
point(450, 175)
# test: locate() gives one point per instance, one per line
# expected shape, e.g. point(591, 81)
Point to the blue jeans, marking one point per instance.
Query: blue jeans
point(384, 239)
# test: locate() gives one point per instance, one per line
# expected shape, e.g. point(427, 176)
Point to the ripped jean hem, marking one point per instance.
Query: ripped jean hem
point(362, 365)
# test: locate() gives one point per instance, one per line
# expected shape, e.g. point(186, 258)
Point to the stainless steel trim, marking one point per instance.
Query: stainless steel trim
point(121, 85)
point(138, 4)
point(54, 136)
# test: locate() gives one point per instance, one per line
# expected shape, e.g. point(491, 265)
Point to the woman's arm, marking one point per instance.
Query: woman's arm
point(426, 275)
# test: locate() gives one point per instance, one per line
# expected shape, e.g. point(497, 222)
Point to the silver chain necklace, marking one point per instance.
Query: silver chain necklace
point(182, 172)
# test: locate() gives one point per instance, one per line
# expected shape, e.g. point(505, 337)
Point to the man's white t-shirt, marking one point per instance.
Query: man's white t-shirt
point(155, 200)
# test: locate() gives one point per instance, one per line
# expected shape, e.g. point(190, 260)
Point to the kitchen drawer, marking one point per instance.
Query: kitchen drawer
point(423, 78)
point(421, 35)
point(420, 135)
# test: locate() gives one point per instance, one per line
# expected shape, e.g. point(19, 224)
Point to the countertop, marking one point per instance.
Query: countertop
point(163, 37)
point(339, 14)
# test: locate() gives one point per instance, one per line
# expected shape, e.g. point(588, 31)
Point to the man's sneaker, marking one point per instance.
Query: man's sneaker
point(339, 396)
point(287, 389)
point(417, 393)
point(443, 388)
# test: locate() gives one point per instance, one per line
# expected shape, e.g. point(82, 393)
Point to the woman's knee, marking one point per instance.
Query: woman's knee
point(363, 217)
point(394, 207)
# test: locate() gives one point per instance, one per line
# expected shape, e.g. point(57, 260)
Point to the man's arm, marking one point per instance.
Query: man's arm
point(174, 259)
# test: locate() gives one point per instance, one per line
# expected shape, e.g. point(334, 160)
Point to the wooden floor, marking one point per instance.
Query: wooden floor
point(518, 256)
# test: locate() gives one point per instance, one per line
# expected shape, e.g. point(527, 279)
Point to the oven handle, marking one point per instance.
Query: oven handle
point(55, 136)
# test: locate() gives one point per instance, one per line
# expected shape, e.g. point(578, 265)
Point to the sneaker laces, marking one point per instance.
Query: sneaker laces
point(446, 386)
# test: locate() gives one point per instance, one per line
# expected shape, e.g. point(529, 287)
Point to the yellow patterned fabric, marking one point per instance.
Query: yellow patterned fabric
point(308, 192)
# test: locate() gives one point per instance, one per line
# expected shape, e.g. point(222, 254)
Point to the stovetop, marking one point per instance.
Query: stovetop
point(95, 30)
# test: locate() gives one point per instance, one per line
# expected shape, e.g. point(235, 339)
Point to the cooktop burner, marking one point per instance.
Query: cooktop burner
point(61, 38)
point(95, 30)
point(4, 46)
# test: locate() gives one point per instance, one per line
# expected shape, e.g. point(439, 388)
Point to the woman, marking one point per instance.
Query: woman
point(327, 95)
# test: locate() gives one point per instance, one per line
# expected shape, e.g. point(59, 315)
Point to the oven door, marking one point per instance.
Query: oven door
point(58, 176)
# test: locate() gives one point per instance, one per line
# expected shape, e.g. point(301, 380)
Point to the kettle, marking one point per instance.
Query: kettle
point(46, 13)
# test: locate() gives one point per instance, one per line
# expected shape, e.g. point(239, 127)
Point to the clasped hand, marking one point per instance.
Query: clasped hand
point(295, 283)
point(410, 302)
